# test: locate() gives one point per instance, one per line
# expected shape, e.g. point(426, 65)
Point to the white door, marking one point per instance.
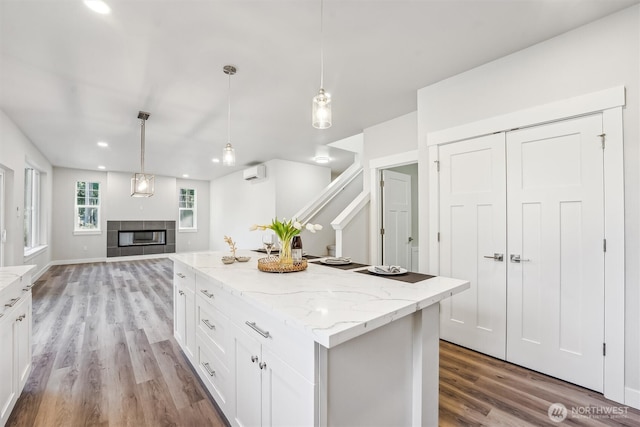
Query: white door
point(556, 226)
point(396, 218)
point(472, 241)
point(3, 231)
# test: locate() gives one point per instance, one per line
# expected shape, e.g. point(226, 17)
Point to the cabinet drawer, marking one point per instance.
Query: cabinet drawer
point(184, 276)
point(291, 346)
point(12, 295)
point(214, 327)
point(212, 292)
point(216, 376)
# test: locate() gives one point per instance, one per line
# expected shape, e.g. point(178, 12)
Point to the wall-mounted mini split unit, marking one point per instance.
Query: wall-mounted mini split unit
point(254, 172)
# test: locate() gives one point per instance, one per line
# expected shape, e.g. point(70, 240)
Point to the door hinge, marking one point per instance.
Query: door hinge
point(604, 348)
point(382, 231)
point(604, 245)
point(381, 183)
point(437, 162)
point(602, 136)
point(438, 236)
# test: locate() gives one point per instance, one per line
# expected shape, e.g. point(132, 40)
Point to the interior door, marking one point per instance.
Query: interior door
point(396, 205)
point(3, 231)
point(472, 242)
point(556, 228)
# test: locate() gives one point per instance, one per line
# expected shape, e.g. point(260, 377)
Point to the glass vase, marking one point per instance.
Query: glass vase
point(285, 251)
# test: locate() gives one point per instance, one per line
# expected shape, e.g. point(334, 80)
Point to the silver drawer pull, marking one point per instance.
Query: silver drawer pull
point(180, 275)
point(209, 325)
point(26, 288)
point(12, 302)
point(204, 291)
point(254, 359)
point(516, 258)
point(208, 368)
point(253, 326)
point(495, 256)
point(21, 317)
point(262, 365)
point(181, 292)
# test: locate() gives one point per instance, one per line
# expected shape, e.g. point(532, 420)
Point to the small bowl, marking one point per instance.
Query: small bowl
point(243, 258)
point(228, 260)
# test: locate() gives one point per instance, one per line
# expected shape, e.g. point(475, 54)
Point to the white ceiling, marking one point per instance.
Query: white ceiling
point(70, 77)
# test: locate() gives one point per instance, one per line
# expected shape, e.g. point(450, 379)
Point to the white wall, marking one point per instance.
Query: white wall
point(118, 205)
point(236, 204)
point(15, 151)
point(598, 56)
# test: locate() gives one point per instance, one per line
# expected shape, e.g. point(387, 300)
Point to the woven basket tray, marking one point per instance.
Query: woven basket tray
point(272, 265)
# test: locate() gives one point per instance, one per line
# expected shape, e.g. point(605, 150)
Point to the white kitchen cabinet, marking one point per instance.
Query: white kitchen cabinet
point(321, 347)
point(183, 310)
point(15, 335)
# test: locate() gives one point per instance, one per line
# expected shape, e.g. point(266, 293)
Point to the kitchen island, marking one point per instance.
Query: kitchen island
point(324, 346)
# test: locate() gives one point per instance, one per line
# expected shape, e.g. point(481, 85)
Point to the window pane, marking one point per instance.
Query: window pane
point(87, 218)
point(186, 219)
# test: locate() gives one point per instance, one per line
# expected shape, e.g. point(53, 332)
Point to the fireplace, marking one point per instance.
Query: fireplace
point(142, 238)
point(132, 238)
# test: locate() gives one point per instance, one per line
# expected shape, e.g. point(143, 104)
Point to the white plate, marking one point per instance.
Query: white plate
point(373, 270)
point(329, 261)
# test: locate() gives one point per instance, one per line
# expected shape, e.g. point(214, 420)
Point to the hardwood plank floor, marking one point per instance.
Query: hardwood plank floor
point(104, 355)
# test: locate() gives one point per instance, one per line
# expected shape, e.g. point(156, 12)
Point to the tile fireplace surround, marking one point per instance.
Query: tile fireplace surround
point(113, 227)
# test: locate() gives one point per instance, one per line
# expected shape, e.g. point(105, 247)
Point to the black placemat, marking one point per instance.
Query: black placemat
point(409, 277)
point(350, 266)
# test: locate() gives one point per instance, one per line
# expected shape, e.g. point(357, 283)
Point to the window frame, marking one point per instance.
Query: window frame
point(193, 209)
point(32, 208)
point(77, 207)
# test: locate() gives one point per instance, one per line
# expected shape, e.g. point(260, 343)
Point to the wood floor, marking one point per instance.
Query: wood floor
point(104, 354)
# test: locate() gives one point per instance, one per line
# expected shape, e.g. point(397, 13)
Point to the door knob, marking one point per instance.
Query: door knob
point(496, 257)
point(516, 258)
point(410, 239)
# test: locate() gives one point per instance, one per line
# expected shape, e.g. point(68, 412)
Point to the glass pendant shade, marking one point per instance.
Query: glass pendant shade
point(228, 155)
point(142, 185)
point(321, 110)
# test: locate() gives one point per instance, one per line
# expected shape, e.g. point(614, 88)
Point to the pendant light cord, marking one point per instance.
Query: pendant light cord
point(321, 45)
point(229, 111)
point(142, 148)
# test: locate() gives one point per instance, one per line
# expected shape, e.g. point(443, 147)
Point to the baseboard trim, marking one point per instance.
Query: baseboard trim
point(632, 397)
point(137, 257)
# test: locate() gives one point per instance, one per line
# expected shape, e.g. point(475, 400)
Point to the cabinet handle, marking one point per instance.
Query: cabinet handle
point(26, 288)
point(254, 359)
point(12, 302)
point(181, 292)
point(262, 365)
point(209, 325)
point(21, 317)
point(204, 291)
point(253, 326)
point(180, 275)
point(208, 368)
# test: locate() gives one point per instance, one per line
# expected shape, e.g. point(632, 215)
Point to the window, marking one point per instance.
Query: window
point(187, 209)
point(87, 212)
point(31, 209)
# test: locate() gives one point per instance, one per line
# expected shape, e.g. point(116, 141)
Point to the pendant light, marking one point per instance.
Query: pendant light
point(321, 106)
point(228, 153)
point(142, 183)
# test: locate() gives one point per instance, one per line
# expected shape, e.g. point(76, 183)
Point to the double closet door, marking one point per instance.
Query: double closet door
point(522, 218)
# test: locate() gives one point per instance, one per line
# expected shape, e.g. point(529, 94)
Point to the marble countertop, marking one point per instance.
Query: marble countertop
point(328, 304)
point(9, 274)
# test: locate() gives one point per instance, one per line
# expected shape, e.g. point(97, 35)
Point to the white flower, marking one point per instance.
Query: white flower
point(297, 225)
point(318, 227)
point(310, 227)
point(254, 227)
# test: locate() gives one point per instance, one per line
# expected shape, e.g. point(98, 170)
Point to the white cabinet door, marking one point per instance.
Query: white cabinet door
point(472, 230)
point(8, 383)
point(179, 314)
point(22, 328)
point(190, 323)
point(287, 397)
point(247, 379)
point(556, 227)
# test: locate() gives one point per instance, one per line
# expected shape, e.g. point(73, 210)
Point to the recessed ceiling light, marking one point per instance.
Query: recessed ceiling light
point(103, 144)
point(322, 159)
point(98, 6)
point(185, 175)
point(102, 167)
point(215, 160)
